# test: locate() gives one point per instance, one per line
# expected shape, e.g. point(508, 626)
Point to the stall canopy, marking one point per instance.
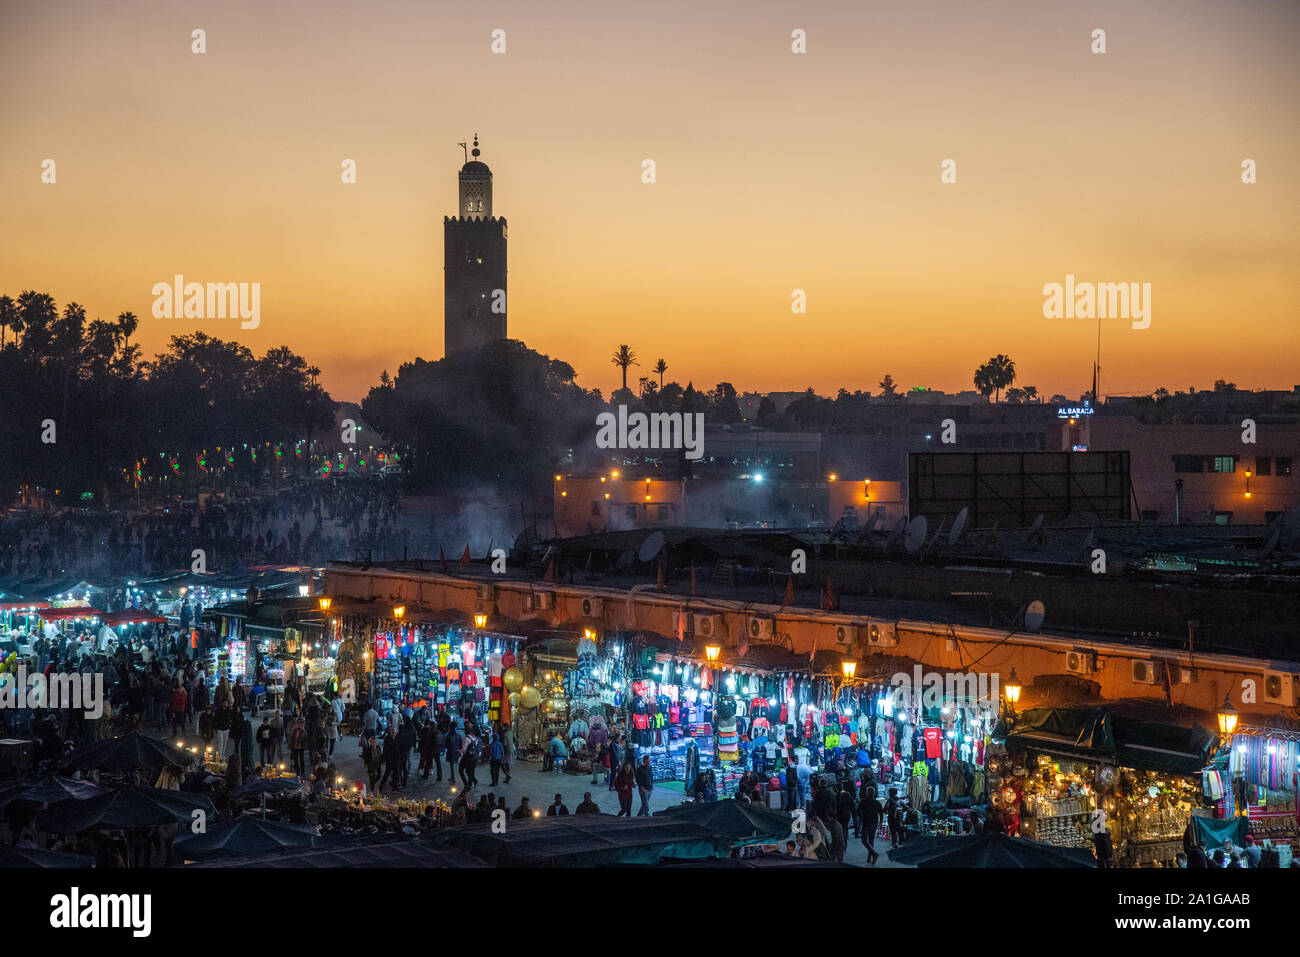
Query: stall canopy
point(245, 837)
point(585, 840)
point(738, 822)
point(48, 790)
point(129, 752)
point(124, 807)
point(1212, 832)
point(372, 852)
point(134, 616)
point(989, 849)
point(34, 857)
point(68, 614)
point(1099, 735)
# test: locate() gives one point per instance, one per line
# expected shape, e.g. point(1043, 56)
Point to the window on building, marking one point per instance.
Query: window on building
point(1225, 463)
point(1222, 518)
point(1189, 463)
point(665, 513)
point(1282, 465)
point(1263, 465)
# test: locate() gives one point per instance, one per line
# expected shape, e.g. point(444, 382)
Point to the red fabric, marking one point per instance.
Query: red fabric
point(933, 742)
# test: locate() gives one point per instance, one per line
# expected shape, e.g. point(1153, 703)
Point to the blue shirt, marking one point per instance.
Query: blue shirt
point(497, 752)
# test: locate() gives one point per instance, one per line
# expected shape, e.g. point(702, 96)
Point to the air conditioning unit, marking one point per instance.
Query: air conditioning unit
point(487, 592)
point(1277, 688)
point(882, 634)
point(708, 626)
point(846, 635)
point(592, 607)
point(760, 627)
point(542, 600)
point(1080, 662)
point(1145, 671)
point(1178, 674)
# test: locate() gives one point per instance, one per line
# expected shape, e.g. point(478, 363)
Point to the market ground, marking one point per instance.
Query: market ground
point(526, 779)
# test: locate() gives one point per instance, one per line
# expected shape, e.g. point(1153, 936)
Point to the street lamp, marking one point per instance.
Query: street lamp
point(711, 652)
point(480, 620)
point(325, 603)
point(850, 668)
point(1227, 718)
point(1012, 689)
point(399, 612)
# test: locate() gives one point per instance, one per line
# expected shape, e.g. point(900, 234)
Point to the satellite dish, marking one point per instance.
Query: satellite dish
point(897, 532)
point(872, 520)
point(958, 526)
point(625, 559)
point(914, 537)
point(1038, 522)
point(1034, 615)
point(651, 547)
point(938, 533)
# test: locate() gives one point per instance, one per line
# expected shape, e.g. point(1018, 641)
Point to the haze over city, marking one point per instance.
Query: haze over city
point(775, 172)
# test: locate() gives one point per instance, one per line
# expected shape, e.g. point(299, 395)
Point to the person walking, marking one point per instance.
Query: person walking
point(427, 734)
point(374, 760)
point(298, 746)
point(624, 784)
point(894, 818)
point(222, 721)
point(645, 784)
point(496, 754)
point(266, 740)
point(869, 816)
point(392, 753)
point(615, 759)
point(179, 705)
point(508, 745)
point(469, 762)
point(454, 744)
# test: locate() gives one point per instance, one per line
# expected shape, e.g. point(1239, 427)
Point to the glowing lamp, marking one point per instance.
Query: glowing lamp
point(1013, 688)
point(711, 652)
point(480, 620)
point(1227, 717)
point(399, 612)
point(325, 603)
point(850, 668)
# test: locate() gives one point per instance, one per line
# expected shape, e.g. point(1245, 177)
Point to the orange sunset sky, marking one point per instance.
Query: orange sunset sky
point(776, 171)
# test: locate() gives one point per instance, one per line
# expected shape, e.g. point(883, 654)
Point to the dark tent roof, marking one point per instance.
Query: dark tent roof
point(584, 840)
point(399, 852)
point(761, 861)
point(125, 807)
point(47, 790)
point(33, 857)
point(130, 752)
point(270, 786)
point(245, 837)
point(740, 823)
point(1098, 734)
point(990, 849)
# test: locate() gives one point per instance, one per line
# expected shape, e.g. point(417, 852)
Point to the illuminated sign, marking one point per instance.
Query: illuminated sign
point(1074, 411)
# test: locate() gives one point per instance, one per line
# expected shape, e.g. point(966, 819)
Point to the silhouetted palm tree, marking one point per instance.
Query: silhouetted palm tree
point(995, 375)
point(623, 358)
point(661, 367)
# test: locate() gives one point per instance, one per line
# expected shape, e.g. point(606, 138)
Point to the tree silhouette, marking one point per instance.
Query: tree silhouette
point(661, 367)
point(995, 375)
point(624, 357)
point(888, 388)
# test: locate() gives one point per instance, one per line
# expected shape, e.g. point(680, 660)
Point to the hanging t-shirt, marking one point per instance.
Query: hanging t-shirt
point(933, 741)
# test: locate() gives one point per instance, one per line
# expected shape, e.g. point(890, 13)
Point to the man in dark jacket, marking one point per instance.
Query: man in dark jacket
point(869, 816)
point(558, 809)
point(588, 806)
point(454, 743)
point(406, 741)
point(392, 760)
point(645, 783)
point(428, 734)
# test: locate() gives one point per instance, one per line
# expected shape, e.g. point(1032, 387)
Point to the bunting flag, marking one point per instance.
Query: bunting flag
point(659, 579)
point(442, 559)
point(789, 590)
point(550, 571)
point(465, 559)
point(828, 599)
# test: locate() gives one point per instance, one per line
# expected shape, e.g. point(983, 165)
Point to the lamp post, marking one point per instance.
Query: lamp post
point(1227, 719)
point(1011, 691)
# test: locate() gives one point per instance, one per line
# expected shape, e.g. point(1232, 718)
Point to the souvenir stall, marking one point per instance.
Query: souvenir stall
point(1068, 772)
point(455, 669)
point(229, 660)
point(1259, 783)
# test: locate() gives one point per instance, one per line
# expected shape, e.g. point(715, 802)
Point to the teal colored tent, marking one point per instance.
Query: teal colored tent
point(1212, 832)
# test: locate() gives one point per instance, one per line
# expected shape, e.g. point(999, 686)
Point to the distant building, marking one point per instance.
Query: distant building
point(474, 265)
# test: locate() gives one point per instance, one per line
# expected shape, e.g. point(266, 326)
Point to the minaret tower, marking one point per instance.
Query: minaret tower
point(474, 263)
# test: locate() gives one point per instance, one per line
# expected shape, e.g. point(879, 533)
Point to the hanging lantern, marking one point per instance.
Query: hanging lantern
point(513, 679)
point(529, 698)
